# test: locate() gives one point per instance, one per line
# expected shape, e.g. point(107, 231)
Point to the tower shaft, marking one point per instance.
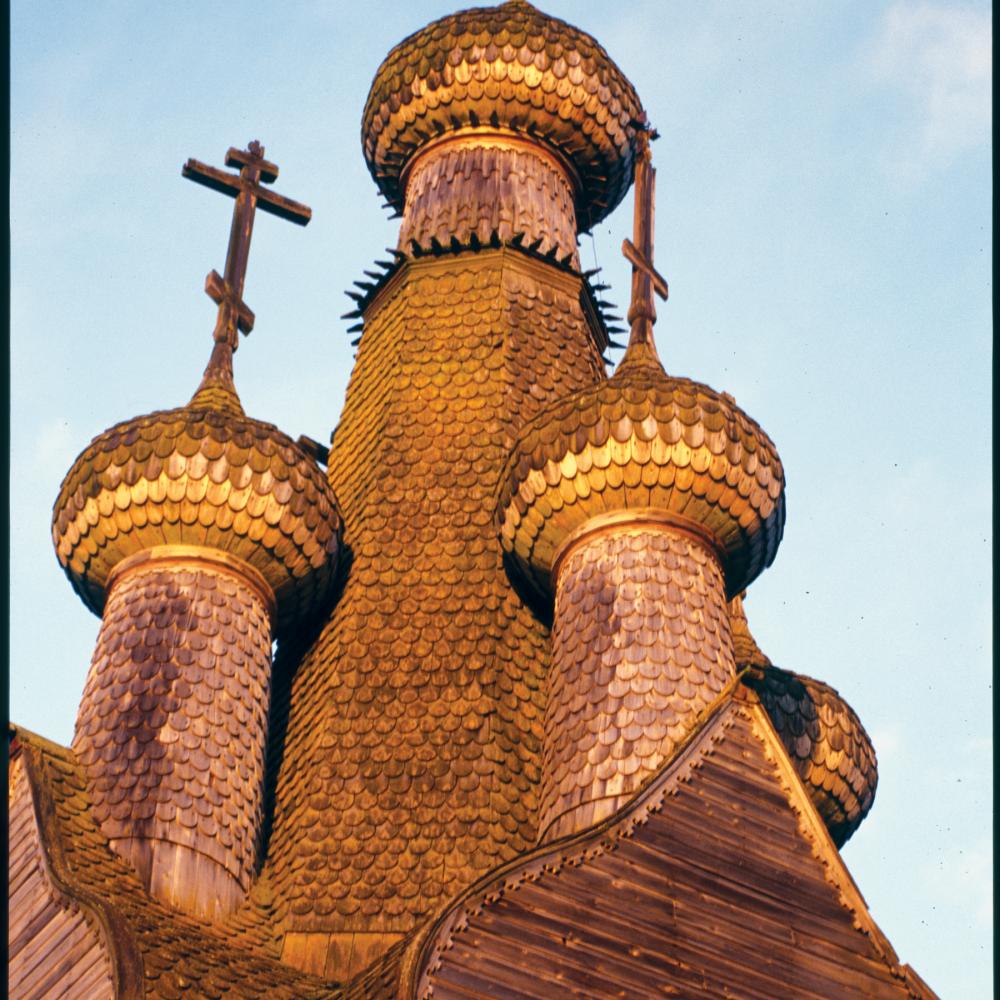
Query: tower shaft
point(412, 756)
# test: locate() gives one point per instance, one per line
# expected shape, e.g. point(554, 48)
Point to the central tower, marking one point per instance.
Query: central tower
point(409, 740)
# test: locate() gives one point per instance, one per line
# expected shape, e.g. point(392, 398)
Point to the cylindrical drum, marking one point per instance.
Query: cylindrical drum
point(641, 646)
point(475, 183)
point(173, 723)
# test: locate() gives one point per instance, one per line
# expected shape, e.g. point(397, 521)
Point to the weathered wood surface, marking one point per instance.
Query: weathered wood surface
point(158, 952)
point(509, 67)
point(640, 648)
point(172, 727)
point(53, 948)
point(408, 731)
point(723, 883)
point(250, 194)
point(414, 722)
point(203, 475)
point(487, 183)
point(825, 740)
point(335, 956)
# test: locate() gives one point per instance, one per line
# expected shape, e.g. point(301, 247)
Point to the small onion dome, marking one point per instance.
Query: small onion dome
point(644, 440)
point(825, 740)
point(202, 475)
point(514, 68)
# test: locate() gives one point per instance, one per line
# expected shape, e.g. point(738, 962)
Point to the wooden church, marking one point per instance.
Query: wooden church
point(517, 740)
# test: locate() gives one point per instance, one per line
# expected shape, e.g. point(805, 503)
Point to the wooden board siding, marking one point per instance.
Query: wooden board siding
point(720, 881)
point(54, 949)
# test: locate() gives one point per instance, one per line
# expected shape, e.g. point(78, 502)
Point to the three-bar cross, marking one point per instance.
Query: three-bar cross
point(245, 187)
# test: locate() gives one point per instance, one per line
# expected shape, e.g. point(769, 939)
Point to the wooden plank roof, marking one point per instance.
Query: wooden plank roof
point(719, 880)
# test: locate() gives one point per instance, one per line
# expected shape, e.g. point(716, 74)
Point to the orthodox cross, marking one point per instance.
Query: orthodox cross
point(645, 279)
point(245, 187)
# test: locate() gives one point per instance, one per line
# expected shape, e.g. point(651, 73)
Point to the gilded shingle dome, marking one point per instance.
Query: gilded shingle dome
point(825, 740)
point(645, 440)
point(200, 475)
point(510, 68)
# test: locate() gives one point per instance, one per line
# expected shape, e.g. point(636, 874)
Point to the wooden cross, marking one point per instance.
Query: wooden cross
point(645, 278)
point(245, 187)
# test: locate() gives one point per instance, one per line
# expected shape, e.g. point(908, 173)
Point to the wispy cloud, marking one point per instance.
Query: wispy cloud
point(888, 743)
point(940, 56)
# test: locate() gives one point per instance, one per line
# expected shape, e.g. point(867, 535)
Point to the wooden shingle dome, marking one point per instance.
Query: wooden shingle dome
point(510, 68)
point(826, 742)
point(645, 440)
point(201, 475)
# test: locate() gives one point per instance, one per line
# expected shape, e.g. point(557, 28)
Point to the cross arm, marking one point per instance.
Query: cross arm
point(284, 208)
point(217, 180)
point(241, 158)
point(220, 291)
point(637, 260)
point(232, 184)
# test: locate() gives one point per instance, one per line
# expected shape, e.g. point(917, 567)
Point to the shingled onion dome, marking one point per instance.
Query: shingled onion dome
point(203, 475)
point(500, 119)
point(641, 502)
point(826, 743)
point(196, 533)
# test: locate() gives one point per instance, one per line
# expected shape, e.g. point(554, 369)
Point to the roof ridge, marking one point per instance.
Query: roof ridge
point(553, 855)
point(812, 827)
point(127, 967)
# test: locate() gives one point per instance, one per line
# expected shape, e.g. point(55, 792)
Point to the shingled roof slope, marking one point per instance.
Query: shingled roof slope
point(407, 744)
point(160, 952)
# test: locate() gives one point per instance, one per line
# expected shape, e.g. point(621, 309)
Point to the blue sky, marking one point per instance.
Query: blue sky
point(824, 221)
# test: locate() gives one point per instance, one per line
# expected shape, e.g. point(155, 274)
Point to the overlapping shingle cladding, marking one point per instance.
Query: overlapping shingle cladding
point(406, 733)
point(411, 759)
point(155, 951)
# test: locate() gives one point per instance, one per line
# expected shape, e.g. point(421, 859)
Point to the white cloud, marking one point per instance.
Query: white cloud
point(941, 56)
point(888, 743)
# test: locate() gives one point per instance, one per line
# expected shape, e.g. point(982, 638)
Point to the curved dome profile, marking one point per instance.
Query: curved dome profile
point(200, 475)
point(825, 740)
point(509, 68)
point(645, 440)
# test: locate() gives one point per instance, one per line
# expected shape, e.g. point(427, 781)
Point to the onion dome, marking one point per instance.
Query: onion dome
point(745, 649)
point(823, 736)
point(641, 440)
point(509, 68)
point(202, 475)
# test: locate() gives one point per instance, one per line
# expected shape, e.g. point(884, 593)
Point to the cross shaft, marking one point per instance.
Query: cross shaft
point(646, 280)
